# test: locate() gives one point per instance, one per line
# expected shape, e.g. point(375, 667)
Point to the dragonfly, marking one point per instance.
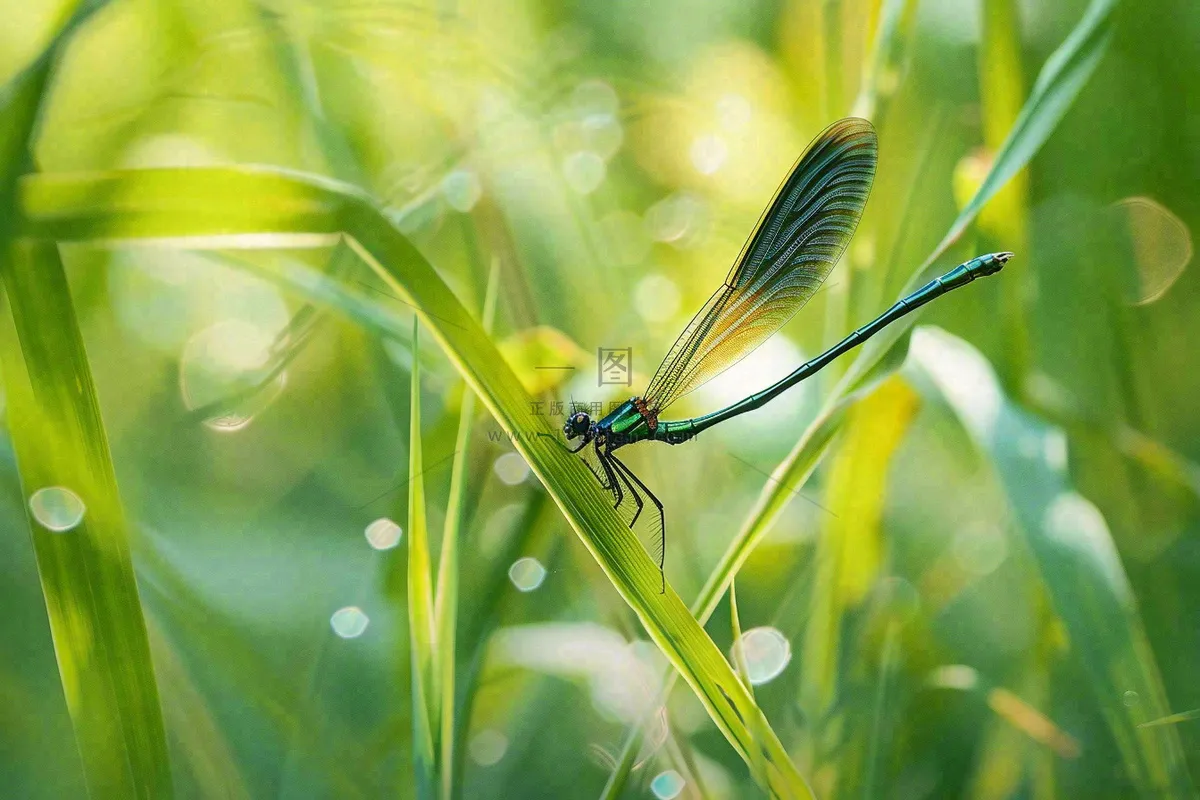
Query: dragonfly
point(795, 245)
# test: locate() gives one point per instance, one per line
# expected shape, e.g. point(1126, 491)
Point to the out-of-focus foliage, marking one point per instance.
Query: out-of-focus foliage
point(988, 590)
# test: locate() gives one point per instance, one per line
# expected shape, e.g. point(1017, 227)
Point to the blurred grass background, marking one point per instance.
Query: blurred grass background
point(987, 589)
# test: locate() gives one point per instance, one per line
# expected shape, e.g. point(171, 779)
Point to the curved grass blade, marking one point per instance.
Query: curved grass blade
point(79, 531)
point(224, 207)
point(1073, 550)
point(84, 563)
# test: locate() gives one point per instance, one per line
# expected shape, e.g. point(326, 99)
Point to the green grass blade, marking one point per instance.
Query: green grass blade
point(86, 572)
point(446, 601)
point(252, 207)
point(1064, 75)
point(420, 601)
point(1078, 561)
point(83, 553)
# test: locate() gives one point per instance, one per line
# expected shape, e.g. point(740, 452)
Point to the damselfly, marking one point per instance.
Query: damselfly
point(796, 244)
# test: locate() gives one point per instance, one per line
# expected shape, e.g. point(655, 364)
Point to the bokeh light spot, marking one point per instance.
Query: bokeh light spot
point(733, 112)
point(584, 171)
point(708, 153)
point(527, 574)
point(766, 652)
point(383, 534)
point(673, 218)
point(349, 622)
point(462, 189)
point(656, 298)
point(667, 785)
point(1161, 246)
point(487, 747)
point(511, 468)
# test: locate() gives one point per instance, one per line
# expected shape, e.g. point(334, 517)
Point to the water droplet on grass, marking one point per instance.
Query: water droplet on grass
point(56, 508)
point(1130, 699)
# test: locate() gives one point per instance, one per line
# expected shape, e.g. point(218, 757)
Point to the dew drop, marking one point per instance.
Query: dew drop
point(349, 622)
point(511, 468)
point(1130, 699)
point(527, 574)
point(667, 785)
point(584, 171)
point(383, 534)
point(56, 508)
point(487, 747)
point(766, 652)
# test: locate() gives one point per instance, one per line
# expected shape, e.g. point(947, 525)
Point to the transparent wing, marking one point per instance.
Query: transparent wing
point(795, 245)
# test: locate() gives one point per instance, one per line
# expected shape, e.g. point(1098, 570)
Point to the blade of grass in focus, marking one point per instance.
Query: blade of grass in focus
point(445, 608)
point(76, 520)
point(1071, 545)
point(421, 622)
point(1062, 78)
point(79, 531)
point(225, 207)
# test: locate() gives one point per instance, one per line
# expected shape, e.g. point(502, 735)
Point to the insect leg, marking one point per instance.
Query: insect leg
point(662, 517)
point(614, 484)
point(637, 498)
